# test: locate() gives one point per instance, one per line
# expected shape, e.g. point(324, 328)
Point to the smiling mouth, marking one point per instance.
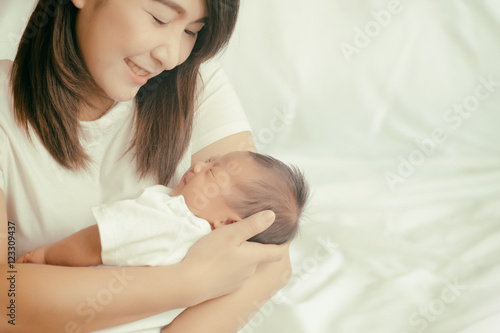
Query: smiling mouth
point(136, 69)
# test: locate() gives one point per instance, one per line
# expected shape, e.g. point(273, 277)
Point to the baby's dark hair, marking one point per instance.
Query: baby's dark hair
point(282, 189)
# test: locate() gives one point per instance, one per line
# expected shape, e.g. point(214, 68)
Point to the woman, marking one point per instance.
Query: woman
point(100, 104)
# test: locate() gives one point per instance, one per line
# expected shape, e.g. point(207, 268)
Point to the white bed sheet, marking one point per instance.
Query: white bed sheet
point(418, 253)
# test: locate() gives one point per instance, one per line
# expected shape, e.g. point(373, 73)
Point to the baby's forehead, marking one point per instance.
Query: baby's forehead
point(238, 162)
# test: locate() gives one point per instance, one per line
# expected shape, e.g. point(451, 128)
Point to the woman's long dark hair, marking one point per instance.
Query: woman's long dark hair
point(49, 80)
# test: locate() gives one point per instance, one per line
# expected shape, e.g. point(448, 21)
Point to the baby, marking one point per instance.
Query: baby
point(159, 227)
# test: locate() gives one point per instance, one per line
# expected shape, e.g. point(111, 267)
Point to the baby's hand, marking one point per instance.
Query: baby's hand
point(37, 256)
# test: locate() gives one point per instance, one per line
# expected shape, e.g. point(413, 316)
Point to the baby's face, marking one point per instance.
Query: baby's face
point(206, 185)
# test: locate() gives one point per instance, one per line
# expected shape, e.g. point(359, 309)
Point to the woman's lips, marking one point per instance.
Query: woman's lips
point(139, 75)
point(136, 69)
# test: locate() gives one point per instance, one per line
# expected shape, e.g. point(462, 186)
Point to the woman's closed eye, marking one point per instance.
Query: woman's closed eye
point(195, 29)
point(187, 31)
point(157, 20)
point(191, 33)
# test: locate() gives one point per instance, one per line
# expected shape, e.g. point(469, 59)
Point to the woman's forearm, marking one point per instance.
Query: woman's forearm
point(80, 299)
point(4, 236)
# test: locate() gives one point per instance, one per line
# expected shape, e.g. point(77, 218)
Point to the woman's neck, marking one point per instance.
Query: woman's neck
point(95, 109)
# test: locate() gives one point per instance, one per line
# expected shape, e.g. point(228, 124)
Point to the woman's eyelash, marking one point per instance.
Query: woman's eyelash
point(158, 21)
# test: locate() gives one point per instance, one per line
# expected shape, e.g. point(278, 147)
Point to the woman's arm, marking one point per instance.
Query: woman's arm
point(235, 142)
point(87, 299)
point(83, 248)
point(4, 237)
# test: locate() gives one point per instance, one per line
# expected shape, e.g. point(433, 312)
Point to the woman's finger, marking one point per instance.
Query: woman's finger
point(265, 253)
point(249, 227)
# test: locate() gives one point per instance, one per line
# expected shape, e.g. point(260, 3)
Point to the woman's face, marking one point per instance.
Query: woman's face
point(126, 42)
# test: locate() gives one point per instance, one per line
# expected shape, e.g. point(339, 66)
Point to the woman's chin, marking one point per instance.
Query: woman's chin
point(125, 96)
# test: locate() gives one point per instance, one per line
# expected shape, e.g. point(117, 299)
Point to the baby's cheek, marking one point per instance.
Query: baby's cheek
point(223, 179)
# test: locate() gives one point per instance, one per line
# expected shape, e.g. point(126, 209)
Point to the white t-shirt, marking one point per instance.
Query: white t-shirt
point(154, 229)
point(49, 203)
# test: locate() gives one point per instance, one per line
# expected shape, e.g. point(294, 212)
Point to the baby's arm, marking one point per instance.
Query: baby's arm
point(83, 248)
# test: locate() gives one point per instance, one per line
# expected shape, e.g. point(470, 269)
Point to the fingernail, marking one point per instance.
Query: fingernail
point(268, 216)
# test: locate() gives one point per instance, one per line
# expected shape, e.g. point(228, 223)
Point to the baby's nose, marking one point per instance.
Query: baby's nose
point(198, 166)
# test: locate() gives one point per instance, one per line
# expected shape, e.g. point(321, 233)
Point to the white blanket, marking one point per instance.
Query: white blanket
point(392, 109)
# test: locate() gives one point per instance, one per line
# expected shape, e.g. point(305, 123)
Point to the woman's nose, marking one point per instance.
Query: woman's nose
point(168, 59)
point(167, 53)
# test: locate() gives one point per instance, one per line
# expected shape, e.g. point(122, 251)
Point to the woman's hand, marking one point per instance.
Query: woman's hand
point(234, 310)
point(223, 261)
point(37, 256)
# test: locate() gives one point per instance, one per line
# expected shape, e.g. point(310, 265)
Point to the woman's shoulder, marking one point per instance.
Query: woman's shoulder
point(215, 91)
point(210, 69)
point(5, 67)
point(213, 78)
point(5, 114)
point(6, 104)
